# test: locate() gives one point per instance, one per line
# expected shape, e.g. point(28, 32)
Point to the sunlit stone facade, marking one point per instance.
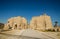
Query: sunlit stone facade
point(16, 23)
point(42, 22)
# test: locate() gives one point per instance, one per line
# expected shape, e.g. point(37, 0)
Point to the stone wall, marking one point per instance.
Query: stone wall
point(16, 23)
point(42, 22)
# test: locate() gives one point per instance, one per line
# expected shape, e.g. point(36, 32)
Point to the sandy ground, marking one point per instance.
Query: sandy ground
point(29, 34)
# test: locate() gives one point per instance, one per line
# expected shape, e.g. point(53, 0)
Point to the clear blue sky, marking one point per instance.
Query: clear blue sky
point(29, 8)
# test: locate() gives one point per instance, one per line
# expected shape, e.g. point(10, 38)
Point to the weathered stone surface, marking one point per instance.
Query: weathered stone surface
point(41, 22)
point(16, 23)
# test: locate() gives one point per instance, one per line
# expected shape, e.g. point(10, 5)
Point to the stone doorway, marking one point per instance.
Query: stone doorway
point(15, 27)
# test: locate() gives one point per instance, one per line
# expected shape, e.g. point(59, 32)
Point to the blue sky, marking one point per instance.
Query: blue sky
point(29, 8)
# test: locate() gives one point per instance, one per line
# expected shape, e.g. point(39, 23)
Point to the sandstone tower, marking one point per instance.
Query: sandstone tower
point(16, 23)
point(42, 22)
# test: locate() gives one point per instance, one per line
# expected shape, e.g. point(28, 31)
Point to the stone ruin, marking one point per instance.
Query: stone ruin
point(16, 23)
